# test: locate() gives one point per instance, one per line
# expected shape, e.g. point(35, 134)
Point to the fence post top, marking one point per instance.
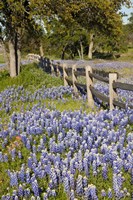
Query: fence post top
point(74, 66)
point(64, 65)
point(88, 68)
point(113, 75)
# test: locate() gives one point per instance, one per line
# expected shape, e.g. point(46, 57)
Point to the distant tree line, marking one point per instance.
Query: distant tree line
point(63, 28)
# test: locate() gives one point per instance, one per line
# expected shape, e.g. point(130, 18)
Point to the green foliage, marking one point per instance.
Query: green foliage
point(64, 21)
point(31, 77)
point(67, 104)
point(127, 56)
point(131, 22)
point(128, 32)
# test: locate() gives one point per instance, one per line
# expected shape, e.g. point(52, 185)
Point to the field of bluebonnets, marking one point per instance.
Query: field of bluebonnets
point(52, 146)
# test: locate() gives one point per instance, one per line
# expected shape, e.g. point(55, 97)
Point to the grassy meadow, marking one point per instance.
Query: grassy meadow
point(20, 102)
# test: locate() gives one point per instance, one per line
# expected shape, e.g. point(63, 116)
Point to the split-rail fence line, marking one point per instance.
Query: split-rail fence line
point(65, 70)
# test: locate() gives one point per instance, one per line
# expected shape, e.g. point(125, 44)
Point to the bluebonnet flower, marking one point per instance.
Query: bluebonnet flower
point(103, 193)
point(34, 158)
point(80, 166)
point(104, 171)
point(51, 184)
point(30, 162)
point(53, 193)
point(13, 153)
point(85, 181)
point(66, 185)
point(110, 195)
point(28, 145)
point(35, 188)
point(93, 192)
point(13, 179)
point(27, 175)
point(86, 193)
point(72, 195)
point(14, 193)
point(86, 168)
point(5, 197)
point(79, 185)
point(19, 155)
point(54, 178)
point(45, 196)
point(120, 180)
point(20, 191)
point(48, 192)
point(72, 183)
point(26, 192)
point(21, 174)
point(119, 163)
point(72, 166)
point(5, 158)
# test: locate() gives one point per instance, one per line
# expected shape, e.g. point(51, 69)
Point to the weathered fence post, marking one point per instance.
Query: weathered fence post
point(74, 78)
point(112, 91)
point(89, 82)
point(52, 68)
point(57, 69)
point(65, 74)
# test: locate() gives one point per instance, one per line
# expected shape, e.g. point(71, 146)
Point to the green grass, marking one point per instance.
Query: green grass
point(31, 77)
point(127, 56)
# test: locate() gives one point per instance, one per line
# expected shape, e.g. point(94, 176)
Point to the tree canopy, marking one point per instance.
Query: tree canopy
point(67, 20)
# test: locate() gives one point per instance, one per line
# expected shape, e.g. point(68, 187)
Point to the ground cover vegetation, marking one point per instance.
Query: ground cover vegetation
point(53, 147)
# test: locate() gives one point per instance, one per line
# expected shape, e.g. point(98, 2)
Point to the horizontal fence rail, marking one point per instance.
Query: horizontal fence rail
point(100, 78)
point(101, 73)
point(121, 104)
point(99, 95)
point(123, 86)
point(71, 72)
point(79, 73)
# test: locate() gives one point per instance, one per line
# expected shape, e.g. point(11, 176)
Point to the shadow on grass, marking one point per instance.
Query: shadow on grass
point(107, 56)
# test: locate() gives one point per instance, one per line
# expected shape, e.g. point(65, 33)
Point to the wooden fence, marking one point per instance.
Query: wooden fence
point(66, 71)
point(33, 57)
point(91, 74)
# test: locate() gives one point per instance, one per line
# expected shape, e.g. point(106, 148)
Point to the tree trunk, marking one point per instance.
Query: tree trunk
point(19, 61)
point(5, 54)
point(12, 59)
point(63, 53)
point(41, 50)
point(17, 52)
point(79, 53)
point(91, 46)
point(82, 51)
point(71, 54)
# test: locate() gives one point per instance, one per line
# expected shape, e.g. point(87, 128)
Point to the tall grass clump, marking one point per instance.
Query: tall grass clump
point(31, 77)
